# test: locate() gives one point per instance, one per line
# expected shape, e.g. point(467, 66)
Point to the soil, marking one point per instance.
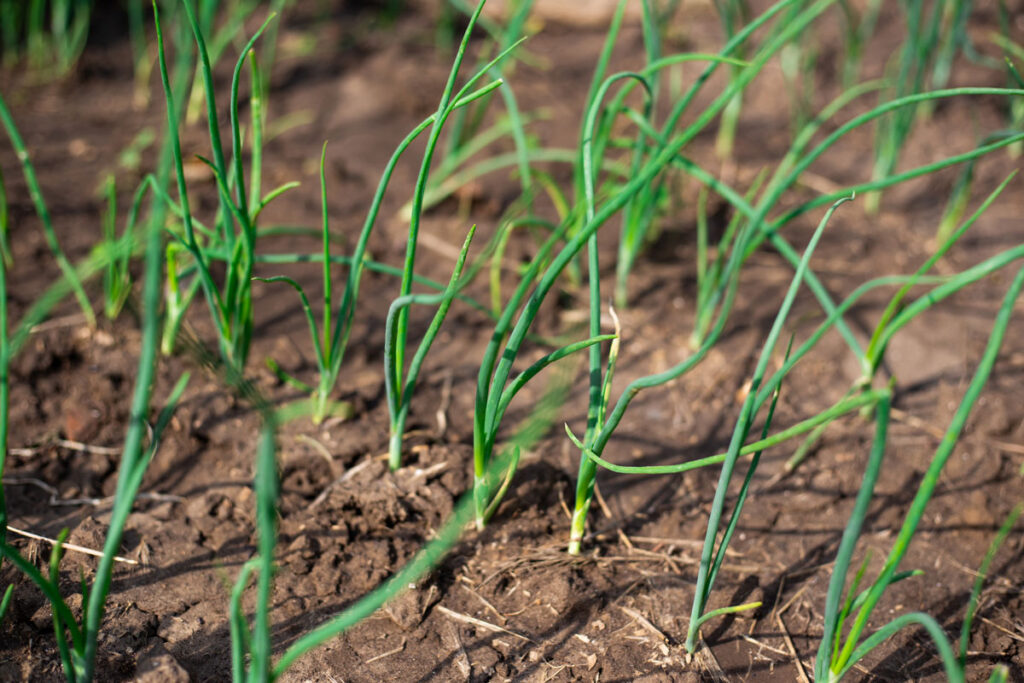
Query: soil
point(508, 603)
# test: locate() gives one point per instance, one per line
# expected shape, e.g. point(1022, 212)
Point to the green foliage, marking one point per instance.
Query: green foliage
point(50, 34)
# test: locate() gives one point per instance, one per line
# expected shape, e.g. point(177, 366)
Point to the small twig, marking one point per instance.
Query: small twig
point(1001, 628)
point(792, 648)
point(70, 445)
point(709, 662)
point(602, 503)
point(382, 655)
point(565, 508)
point(318, 447)
point(429, 472)
point(462, 660)
point(57, 323)
point(645, 622)
point(625, 540)
point(763, 645)
point(57, 501)
point(793, 599)
point(87, 448)
point(658, 540)
point(480, 623)
point(485, 602)
point(68, 546)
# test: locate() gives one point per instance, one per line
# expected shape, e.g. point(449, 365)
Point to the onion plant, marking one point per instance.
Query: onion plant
point(953, 39)
point(892, 319)
point(399, 394)
point(54, 45)
point(841, 649)
point(712, 556)
point(466, 135)
point(399, 336)
point(639, 213)
point(336, 327)
point(222, 34)
point(117, 279)
point(494, 373)
point(858, 27)
point(1013, 53)
point(240, 205)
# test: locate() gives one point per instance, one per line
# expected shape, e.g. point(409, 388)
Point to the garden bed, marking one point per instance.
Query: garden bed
point(509, 602)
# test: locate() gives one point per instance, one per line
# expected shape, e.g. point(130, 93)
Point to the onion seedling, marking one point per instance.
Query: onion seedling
point(1012, 51)
point(399, 394)
point(117, 279)
point(953, 39)
point(331, 350)
point(465, 136)
point(873, 354)
point(449, 101)
point(639, 213)
point(755, 231)
point(231, 307)
point(23, 26)
point(711, 558)
point(857, 30)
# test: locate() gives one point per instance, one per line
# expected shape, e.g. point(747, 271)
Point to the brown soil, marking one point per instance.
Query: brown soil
point(618, 612)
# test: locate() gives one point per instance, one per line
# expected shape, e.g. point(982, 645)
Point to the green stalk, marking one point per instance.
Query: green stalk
point(346, 310)
point(267, 492)
point(241, 638)
point(585, 479)
point(841, 408)
point(731, 14)
point(638, 215)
